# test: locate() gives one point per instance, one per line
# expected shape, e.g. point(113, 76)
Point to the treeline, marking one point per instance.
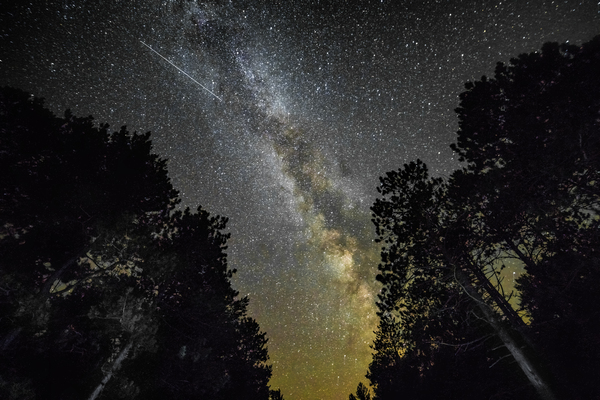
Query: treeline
point(529, 194)
point(106, 291)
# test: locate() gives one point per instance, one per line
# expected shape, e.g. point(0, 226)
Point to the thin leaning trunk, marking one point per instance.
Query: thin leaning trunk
point(113, 368)
point(528, 368)
point(503, 304)
point(9, 338)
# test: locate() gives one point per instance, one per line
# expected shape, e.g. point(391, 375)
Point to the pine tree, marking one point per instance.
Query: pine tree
point(530, 140)
point(105, 290)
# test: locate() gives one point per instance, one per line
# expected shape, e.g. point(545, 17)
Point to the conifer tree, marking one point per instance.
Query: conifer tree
point(105, 290)
point(528, 192)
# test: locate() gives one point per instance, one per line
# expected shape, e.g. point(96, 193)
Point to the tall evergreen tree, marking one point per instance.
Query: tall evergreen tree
point(435, 295)
point(530, 138)
point(209, 348)
point(105, 290)
point(72, 197)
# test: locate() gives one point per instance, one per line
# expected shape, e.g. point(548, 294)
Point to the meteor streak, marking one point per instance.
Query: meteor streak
point(182, 71)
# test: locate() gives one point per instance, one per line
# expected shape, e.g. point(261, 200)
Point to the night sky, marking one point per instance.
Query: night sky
point(284, 119)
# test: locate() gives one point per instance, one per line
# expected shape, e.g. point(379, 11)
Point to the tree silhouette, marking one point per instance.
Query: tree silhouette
point(362, 393)
point(530, 140)
point(210, 348)
point(275, 395)
point(73, 197)
point(435, 295)
point(105, 290)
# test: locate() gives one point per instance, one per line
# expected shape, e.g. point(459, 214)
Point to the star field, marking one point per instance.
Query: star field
point(286, 115)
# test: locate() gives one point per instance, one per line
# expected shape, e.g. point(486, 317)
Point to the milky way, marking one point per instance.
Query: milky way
point(283, 119)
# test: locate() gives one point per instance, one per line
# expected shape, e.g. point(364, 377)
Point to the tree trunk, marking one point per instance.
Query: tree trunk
point(8, 339)
point(507, 310)
point(499, 299)
point(513, 347)
point(113, 368)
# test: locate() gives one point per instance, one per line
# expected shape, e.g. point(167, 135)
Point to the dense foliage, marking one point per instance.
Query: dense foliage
point(528, 194)
point(105, 290)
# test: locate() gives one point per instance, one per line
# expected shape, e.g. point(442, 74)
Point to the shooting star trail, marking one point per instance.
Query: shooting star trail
point(182, 71)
